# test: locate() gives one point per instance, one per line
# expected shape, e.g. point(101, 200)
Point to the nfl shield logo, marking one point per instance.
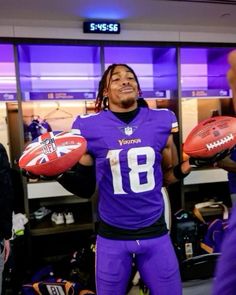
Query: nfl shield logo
point(128, 130)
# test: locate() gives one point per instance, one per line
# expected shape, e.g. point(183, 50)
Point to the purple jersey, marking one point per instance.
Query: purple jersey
point(225, 281)
point(128, 164)
point(37, 128)
point(232, 176)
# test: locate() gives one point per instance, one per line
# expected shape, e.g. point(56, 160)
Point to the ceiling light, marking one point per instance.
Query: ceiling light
point(8, 80)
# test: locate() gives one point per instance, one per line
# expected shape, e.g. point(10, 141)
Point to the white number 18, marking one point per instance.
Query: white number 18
point(135, 169)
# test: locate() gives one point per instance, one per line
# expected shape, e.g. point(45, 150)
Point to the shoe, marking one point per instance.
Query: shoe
point(41, 212)
point(69, 218)
point(57, 218)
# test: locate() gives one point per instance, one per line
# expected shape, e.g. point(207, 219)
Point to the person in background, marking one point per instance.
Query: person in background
point(6, 205)
point(229, 164)
point(131, 154)
point(232, 177)
point(225, 278)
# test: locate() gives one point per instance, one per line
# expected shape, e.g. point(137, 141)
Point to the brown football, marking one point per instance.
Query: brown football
point(210, 137)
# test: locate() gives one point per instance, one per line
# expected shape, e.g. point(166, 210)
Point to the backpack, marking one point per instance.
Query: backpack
point(44, 282)
point(53, 287)
point(185, 235)
point(214, 229)
point(210, 236)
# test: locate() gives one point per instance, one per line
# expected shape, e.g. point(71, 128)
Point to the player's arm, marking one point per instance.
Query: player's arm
point(81, 179)
point(172, 169)
point(231, 75)
point(227, 164)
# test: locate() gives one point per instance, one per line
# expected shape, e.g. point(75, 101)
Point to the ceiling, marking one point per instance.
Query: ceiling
point(211, 13)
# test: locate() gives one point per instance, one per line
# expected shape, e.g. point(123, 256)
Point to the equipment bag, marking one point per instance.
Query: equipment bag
point(184, 234)
point(44, 282)
point(215, 229)
point(199, 267)
point(58, 287)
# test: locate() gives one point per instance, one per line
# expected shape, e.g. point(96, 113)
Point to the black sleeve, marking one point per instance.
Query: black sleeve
point(6, 195)
point(80, 180)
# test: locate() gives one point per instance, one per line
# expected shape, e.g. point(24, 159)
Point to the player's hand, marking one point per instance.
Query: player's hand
point(211, 161)
point(86, 160)
point(30, 175)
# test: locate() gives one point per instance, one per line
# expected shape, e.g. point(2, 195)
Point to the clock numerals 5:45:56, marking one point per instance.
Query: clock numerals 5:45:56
point(101, 27)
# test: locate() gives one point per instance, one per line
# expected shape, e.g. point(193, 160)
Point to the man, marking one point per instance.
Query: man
point(6, 203)
point(225, 278)
point(229, 163)
point(131, 148)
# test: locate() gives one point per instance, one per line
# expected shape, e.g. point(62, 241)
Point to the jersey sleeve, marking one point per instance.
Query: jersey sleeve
point(76, 126)
point(225, 279)
point(174, 122)
point(233, 155)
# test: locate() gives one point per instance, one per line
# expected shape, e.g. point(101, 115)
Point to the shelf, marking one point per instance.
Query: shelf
point(63, 200)
point(211, 211)
point(47, 228)
point(81, 209)
point(46, 190)
point(206, 176)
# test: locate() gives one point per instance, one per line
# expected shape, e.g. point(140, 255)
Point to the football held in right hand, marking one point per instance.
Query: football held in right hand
point(211, 141)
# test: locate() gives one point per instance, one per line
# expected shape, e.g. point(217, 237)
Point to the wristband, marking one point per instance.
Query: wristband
point(178, 172)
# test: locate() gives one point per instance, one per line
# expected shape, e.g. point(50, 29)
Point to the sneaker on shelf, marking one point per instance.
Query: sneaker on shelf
point(41, 212)
point(57, 218)
point(69, 218)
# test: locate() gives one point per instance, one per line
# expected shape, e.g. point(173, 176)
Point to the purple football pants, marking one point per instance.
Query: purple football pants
point(155, 259)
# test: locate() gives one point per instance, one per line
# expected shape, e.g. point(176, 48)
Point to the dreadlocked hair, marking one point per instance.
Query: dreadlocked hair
point(101, 101)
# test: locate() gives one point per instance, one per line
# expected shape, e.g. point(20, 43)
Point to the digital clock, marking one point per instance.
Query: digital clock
point(101, 27)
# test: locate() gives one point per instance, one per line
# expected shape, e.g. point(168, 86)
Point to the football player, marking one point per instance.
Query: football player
point(132, 153)
point(225, 280)
point(229, 163)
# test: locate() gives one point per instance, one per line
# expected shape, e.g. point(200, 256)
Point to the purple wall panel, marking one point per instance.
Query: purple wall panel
point(217, 68)
point(165, 68)
point(193, 55)
point(6, 53)
point(61, 54)
point(128, 55)
point(160, 61)
point(216, 61)
point(24, 67)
